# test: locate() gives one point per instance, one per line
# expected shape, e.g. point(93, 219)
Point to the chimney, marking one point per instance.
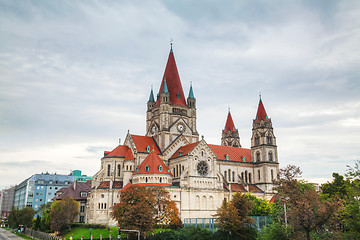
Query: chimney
point(75, 184)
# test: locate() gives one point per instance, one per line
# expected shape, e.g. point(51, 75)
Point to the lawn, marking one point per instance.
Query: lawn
point(76, 233)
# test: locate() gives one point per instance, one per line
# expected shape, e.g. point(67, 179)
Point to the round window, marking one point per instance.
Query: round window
point(202, 168)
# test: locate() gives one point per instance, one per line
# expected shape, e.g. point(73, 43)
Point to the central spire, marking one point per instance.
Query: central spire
point(172, 81)
point(261, 113)
point(229, 125)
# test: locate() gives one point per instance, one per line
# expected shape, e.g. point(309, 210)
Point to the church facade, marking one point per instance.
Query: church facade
point(198, 175)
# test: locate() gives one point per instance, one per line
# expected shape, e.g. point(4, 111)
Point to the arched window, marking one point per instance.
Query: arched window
point(108, 170)
point(257, 140)
point(204, 202)
point(270, 156)
point(147, 168)
point(250, 178)
point(229, 176)
point(257, 156)
point(118, 169)
point(177, 170)
point(211, 202)
point(246, 177)
point(127, 167)
point(160, 180)
point(259, 176)
point(104, 205)
point(242, 176)
point(272, 174)
point(233, 176)
point(197, 202)
point(146, 179)
point(225, 174)
point(269, 140)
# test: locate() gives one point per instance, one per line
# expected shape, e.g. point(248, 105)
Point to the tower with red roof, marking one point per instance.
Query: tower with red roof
point(230, 134)
point(264, 149)
point(170, 115)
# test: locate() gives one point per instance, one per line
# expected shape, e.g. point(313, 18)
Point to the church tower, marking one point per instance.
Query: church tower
point(264, 150)
point(170, 115)
point(230, 135)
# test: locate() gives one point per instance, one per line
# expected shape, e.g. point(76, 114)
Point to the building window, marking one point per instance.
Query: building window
point(108, 170)
point(147, 168)
point(82, 219)
point(82, 208)
point(229, 175)
point(83, 194)
point(250, 178)
point(118, 169)
point(233, 176)
point(272, 174)
point(270, 156)
point(257, 140)
point(258, 157)
point(225, 174)
point(269, 140)
point(246, 177)
point(259, 176)
point(242, 176)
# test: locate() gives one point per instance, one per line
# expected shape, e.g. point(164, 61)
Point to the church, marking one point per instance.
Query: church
point(198, 175)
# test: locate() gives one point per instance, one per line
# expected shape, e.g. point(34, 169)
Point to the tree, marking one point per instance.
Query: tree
point(306, 212)
point(21, 217)
point(62, 213)
point(259, 207)
point(37, 222)
point(233, 216)
point(136, 209)
point(171, 216)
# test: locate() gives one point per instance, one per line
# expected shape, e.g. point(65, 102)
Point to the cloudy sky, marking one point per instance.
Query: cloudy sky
point(75, 76)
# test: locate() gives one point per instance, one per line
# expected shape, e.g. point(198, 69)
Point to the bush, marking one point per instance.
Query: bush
point(87, 225)
point(276, 231)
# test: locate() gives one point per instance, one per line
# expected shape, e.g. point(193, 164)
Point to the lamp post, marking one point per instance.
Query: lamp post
point(285, 199)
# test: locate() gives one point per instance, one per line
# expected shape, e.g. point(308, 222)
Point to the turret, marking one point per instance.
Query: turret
point(230, 134)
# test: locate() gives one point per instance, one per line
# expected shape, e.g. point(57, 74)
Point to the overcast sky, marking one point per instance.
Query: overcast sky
point(75, 76)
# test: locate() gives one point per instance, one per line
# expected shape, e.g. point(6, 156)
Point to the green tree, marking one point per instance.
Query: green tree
point(306, 211)
point(37, 222)
point(21, 217)
point(233, 217)
point(259, 207)
point(62, 213)
point(136, 209)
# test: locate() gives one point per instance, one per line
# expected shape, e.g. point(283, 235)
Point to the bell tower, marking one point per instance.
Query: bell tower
point(264, 150)
point(230, 135)
point(170, 115)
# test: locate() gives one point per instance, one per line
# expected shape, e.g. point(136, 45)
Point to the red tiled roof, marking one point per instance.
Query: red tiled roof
point(229, 125)
point(254, 188)
point(261, 113)
point(127, 186)
point(153, 163)
point(129, 156)
point(105, 184)
point(142, 142)
point(173, 83)
point(184, 150)
point(75, 193)
point(234, 153)
point(235, 187)
point(119, 151)
point(117, 184)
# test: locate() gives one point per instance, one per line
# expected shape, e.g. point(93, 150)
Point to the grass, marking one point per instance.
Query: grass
point(76, 233)
point(21, 235)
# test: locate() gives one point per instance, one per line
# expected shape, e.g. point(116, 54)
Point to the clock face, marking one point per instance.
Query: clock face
point(180, 127)
point(202, 168)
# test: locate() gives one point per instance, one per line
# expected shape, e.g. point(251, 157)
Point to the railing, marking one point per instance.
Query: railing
point(40, 235)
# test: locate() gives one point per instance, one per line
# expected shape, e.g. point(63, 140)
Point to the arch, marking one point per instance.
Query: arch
point(204, 203)
point(258, 159)
point(197, 202)
point(108, 170)
point(211, 202)
point(257, 140)
point(270, 156)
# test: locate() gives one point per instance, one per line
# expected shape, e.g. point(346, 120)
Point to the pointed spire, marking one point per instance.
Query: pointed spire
point(261, 113)
point(165, 89)
point(173, 83)
point(151, 98)
point(229, 125)
point(191, 93)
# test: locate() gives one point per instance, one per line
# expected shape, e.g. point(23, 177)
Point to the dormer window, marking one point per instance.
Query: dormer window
point(147, 168)
point(178, 95)
point(160, 168)
point(148, 149)
point(83, 194)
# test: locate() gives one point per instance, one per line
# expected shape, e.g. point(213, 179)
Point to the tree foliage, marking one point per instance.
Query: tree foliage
point(21, 217)
point(62, 213)
point(306, 212)
point(234, 217)
point(259, 207)
point(141, 208)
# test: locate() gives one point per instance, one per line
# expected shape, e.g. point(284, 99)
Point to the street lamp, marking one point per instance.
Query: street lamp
point(285, 199)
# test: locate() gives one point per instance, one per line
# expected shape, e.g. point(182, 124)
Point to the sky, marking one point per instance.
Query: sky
point(75, 76)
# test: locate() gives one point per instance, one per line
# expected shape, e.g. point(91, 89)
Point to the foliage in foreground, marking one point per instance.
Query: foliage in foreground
point(21, 217)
